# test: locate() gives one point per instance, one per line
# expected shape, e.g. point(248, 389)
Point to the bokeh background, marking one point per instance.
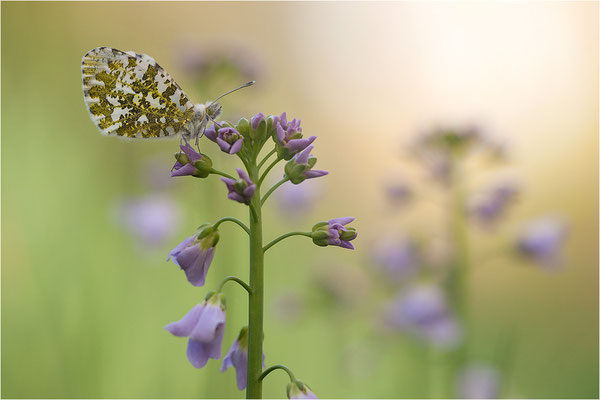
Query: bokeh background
point(87, 221)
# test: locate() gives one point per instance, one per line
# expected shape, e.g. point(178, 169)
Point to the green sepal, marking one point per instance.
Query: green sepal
point(221, 301)
point(348, 234)
point(296, 389)
point(207, 236)
point(243, 337)
point(319, 225)
point(271, 128)
point(243, 127)
point(209, 295)
point(240, 185)
point(203, 167)
point(295, 171)
point(181, 158)
point(282, 151)
point(260, 133)
point(320, 238)
point(204, 230)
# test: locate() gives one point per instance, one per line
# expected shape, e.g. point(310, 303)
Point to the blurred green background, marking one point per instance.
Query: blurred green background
point(84, 300)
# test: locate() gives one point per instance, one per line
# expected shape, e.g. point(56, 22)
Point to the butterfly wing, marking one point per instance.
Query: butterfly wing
point(130, 95)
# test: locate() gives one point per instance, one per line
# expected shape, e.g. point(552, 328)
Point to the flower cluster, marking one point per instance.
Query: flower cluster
point(204, 325)
point(289, 140)
point(422, 310)
point(228, 138)
point(431, 302)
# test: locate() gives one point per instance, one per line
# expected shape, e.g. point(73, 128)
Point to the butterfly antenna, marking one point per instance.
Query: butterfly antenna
point(231, 91)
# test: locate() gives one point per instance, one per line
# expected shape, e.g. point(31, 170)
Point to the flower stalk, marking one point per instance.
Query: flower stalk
point(256, 297)
point(205, 324)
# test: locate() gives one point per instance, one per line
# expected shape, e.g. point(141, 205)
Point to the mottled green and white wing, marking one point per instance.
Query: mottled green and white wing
point(130, 95)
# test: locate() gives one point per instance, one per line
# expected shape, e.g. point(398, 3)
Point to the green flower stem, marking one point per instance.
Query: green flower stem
point(233, 278)
point(234, 220)
point(225, 174)
point(287, 235)
point(278, 366)
point(264, 175)
point(281, 182)
point(264, 160)
point(456, 283)
point(255, 301)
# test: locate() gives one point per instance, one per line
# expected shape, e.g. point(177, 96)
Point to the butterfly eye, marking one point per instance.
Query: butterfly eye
point(214, 110)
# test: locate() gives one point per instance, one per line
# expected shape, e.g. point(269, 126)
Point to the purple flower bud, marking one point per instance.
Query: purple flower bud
point(229, 139)
point(299, 390)
point(489, 206)
point(205, 326)
point(541, 241)
point(195, 254)
point(289, 137)
point(299, 168)
point(254, 121)
point(190, 162)
point(334, 233)
point(241, 190)
point(237, 356)
point(479, 382)
point(422, 311)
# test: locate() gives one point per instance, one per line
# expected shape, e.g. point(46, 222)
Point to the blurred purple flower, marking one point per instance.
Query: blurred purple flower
point(237, 356)
point(334, 233)
point(299, 390)
point(289, 137)
point(422, 311)
point(300, 167)
point(205, 326)
point(195, 254)
point(541, 241)
point(396, 257)
point(190, 162)
point(153, 219)
point(479, 382)
point(398, 193)
point(489, 206)
point(229, 139)
point(205, 62)
point(241, 190)
point(296, 201)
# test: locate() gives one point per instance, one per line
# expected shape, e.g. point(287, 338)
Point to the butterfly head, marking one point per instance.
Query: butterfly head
point(213, 110)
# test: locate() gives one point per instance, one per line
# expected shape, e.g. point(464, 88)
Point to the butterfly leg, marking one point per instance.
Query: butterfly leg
point(219, 126)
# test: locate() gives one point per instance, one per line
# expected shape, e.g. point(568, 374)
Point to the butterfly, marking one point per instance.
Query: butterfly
point(130, 95)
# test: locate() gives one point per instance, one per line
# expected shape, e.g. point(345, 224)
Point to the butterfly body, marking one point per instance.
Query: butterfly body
point(132, 96)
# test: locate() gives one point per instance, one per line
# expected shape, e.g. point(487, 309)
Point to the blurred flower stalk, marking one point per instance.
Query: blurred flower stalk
point(432, 305)
point(205, 324)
